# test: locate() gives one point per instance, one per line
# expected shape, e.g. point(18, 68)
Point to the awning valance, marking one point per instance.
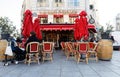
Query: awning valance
point(42, 16)
point(58, 15)
point(73, 15)
point(57, 27)
point(92, 28)
point(63, 27)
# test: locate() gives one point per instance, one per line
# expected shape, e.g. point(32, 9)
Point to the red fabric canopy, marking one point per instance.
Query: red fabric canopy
point(56, 27)
point(76, 29)
point(73, 15)
point(27, 24)
point(83, 25)
point(92, 28)
point(37, 28)
point(58, 15)
point(60, 27)
point(42, 16)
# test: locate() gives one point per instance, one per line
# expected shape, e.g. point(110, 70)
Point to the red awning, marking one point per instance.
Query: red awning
point(92, 28)
point(73, 15)
point(63, 27)
point(42, 16)
point(56, 27)
point(58, 15)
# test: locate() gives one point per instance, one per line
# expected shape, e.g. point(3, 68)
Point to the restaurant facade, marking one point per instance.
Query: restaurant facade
point(57, 17)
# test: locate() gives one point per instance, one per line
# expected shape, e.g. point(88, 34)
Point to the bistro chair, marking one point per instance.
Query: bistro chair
point(63, 45)
point(82, 50)
point(71, 52)
point(92, 54)
point(47, 52)
point(91, 45)
point(32, 54)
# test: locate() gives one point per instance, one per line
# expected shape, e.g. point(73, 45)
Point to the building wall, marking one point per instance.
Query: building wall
point(65, 9)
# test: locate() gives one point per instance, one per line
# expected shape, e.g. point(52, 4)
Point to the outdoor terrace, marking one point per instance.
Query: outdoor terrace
point(60, 67)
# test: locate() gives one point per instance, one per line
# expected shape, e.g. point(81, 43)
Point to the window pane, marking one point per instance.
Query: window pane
point(72, 3)
point(44, 20)
point(43, 3)
point(56, 0)
point(60, 0)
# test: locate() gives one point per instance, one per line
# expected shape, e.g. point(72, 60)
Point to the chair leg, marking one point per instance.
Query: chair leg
point(37, 57)
point(26, 56)
point(96, 57)
point(75, 56)
point(86, 58)
point(43, 57)
point(51, 57)
point(65, 52)
point(78, 57)
point(68, 54)
point(29, 60)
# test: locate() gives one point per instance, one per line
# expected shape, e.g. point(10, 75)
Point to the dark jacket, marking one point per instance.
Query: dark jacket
point(15, 48)
point(13, 45)
point(32, 39)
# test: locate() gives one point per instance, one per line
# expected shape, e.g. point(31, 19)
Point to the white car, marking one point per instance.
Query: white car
point(116, 44)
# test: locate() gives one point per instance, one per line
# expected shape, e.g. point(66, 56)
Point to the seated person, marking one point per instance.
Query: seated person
point(32, 38)
point(19, 42)
point(19, 53)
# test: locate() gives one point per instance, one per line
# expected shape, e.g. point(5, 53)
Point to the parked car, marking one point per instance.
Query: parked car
point(116, 44)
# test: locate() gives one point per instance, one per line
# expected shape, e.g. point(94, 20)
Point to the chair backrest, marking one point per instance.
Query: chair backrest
point(47, 46)
point(83, 47)
point(95, 47)
point(33, 47)
point(91, 45)
point(75, 45)
point(69, 46)
point(62, 45)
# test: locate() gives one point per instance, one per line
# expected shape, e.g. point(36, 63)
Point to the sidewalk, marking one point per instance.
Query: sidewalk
point(60, 67)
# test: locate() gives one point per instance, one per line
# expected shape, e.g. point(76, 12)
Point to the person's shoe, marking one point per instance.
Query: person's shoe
point(16, 62)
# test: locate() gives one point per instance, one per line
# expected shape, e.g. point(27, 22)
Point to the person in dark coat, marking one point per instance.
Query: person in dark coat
point(32, 38)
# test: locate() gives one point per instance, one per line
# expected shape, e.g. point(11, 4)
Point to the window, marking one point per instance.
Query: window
point(39, 0)
point(58, 20)
point(58, 3)
point(44, 20)
point(73, 3)
point(91, 7)
point(42, 3)
point(72, 19)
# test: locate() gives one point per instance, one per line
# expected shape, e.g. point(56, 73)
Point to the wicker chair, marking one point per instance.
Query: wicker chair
point(47, 52)
point(32, 54)
point(82, 50)
point(92, 53)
